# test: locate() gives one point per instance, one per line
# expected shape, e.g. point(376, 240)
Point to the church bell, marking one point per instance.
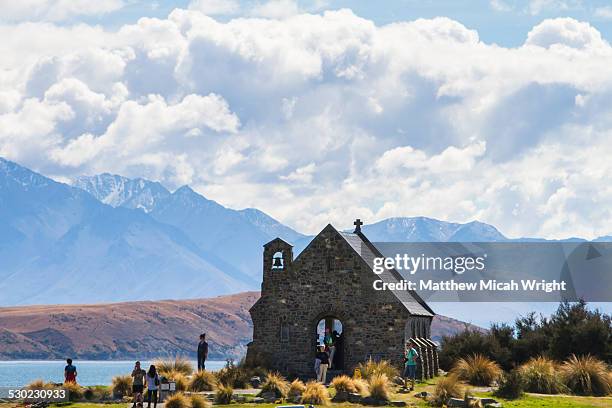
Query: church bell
point(278, 262)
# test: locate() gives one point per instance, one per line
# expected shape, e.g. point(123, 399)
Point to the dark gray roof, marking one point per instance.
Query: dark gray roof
point(367, 251)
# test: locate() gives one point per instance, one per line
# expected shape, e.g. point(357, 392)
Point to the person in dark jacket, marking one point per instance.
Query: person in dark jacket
point(323, 364)
point(202, 352)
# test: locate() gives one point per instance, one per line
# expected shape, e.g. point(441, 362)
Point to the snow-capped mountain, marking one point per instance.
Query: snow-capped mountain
point(236, 237)
point(423, 229)
point(118, 191)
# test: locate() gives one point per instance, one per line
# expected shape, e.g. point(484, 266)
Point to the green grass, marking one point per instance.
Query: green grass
point(552, 401)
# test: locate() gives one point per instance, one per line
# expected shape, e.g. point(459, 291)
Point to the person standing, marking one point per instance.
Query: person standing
point(138, 379)
point(324, 358)
point(410, 358)
point(330, 346)
point(70, 372)
point(202, 352)
point(152, 386)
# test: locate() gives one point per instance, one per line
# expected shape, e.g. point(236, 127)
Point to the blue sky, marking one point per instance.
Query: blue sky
point(504, 22)
point(323, 111)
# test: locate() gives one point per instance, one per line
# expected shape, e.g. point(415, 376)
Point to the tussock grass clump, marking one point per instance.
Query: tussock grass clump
point(470, 401)
point(178, 363)
point(371, 368)
point(446, 387)
point(277, 384)
point(511, 385)
point(122, 386)
point(198, 401)
point(75, 392)
point(296, 389)
point(236, 376)
point(203, 381)
point(541, 375)
point(379, 386)
point(177, 400)
point(224, 394)
point(315, 393)
point(39, 384)
point(477, 370)
point(182, 383)
point(344, 383)
point(361, 386)
point(586, 375)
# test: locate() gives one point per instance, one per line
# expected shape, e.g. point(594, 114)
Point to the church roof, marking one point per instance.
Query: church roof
point(367, 251)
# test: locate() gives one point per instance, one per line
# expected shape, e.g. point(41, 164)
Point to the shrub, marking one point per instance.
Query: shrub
point(236, 376)
point(277, 384)
point(122, 386)
point(203, 381)
point(89, 393)
point(361, 386)
point(315, 393)
point(177, 400)
point(75, 392)
point(344, 383)
point(197, 401)
point(379, 386)
point(446, 387)
point(224, 394)
point(477, 370)
point(511, 385)
point(540, 375)
point(586, 375)
point(296, 388)
point(179, 364)
point(179, 378)
point(372, 368)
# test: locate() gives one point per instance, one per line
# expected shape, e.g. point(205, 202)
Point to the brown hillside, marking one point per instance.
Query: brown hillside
point(138, 329)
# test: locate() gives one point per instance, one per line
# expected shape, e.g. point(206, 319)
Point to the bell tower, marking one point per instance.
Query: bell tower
point(277, 258)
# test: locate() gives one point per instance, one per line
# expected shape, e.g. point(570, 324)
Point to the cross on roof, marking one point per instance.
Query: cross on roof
point(357, 225)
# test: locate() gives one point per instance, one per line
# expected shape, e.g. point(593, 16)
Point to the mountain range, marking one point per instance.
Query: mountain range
point(108, 238)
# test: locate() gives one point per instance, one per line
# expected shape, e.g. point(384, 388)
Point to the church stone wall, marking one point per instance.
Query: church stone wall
point(327, 280)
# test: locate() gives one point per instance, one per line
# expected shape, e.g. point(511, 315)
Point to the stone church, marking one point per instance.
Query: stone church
point(330, 286)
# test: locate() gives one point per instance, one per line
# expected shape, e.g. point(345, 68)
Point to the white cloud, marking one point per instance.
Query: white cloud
point(276, 9)
point(323, 118)
point(55, 10)
point(215, 7)
point(604, 12)
point(567, 32)
point(500, 5)
point(535, 7)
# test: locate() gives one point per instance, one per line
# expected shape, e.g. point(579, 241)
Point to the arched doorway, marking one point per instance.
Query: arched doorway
point(332, 326)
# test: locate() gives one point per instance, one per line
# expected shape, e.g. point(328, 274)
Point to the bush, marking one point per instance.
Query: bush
point(177, 400)
point(224, 394)
point(372, 368)
point(75, 392)
point(179, 378)
point(197, 401)
point(511, 385)
point(540, 375)
point(315, 393)
point(122, 386)
point(236, 376)
point(89, 393)
point(179, 364)
point(379, 386)
point(477, 370)
point(586, 375)
point(203, 381)
point(344, 383)
point(361, 386)
point(446, 387)
point(296, 388)
point(277, 384)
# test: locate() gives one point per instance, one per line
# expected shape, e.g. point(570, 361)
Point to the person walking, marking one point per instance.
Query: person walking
point(138, 380)
point(324, 358)
point(70, 372)
point(202, 352)
point(152, 386)
point(410, 358)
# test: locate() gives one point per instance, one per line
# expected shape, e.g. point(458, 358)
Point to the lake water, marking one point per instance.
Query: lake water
point(20, 373)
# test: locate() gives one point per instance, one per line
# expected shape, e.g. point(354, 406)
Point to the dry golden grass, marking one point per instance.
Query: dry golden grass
point(178, 400)
point(344, 383)
point(541, 375)
point(371, 368)
point(198, 401)
point(477, 370)
point(178, 363)
point(586, 375)
point(296, 389)
point(224, 394)
point(361, 386)
point(203, 381)
point(277, 384)
point(380, 387)
point(315, 393)
point(122, 386)
point(446, 387)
